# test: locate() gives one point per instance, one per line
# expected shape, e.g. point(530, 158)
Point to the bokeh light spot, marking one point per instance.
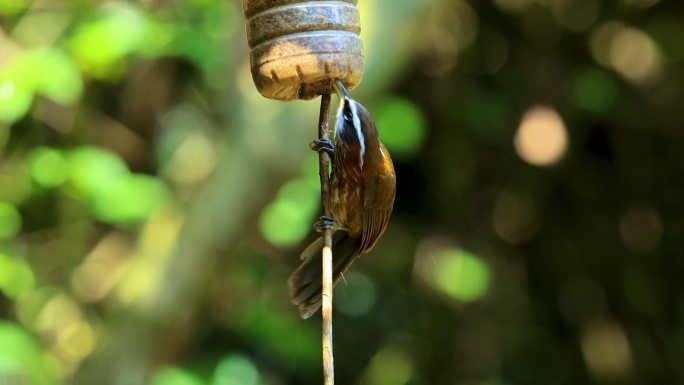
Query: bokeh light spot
point(634, 55)
point(15, 100)
point(29, 305)
point(113, 193)
point(175, 376)
point(600, 41)
point(21, 360)
point(541, 139)
point(21, 281)
point(460, 274)
point(10, 221)
point(595, 90)
point(16, 277)
point(62, 319)
point(606, 350)
point(48, 72)
point(48, 166)
point(99, 45)
point(52, 74)
point(76, 341)
point(236, 370)
point(464, 277)
point(392, 365)
point(629, 51)
point(287, 220)
point(194, 160)
point(92, 170)
point(452, 28)
point(59, 313)
point(62, 83)
point(401, 126)
point(130, 199)
point(575, 15)
point(94, 278)
point(91, 281)
point(186, 151)
point(355, 295)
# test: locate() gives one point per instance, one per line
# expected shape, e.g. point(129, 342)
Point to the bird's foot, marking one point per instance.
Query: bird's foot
point(323, 144)
point(323, 223)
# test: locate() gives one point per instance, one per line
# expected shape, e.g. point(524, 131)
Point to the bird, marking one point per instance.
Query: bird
point(362, 191)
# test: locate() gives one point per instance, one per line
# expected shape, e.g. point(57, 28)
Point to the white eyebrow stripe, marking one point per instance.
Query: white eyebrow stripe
point(359, 133)
point(339, 120)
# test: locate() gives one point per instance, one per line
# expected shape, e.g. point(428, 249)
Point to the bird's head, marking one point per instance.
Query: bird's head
point(355, 130)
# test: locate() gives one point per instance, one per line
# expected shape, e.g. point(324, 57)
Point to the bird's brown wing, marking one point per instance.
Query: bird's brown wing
point(378, 201)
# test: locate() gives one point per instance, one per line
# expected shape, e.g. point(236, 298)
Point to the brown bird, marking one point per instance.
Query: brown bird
point(362, 189)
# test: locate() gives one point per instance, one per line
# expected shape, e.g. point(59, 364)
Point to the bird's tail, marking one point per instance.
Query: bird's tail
point(306, 282)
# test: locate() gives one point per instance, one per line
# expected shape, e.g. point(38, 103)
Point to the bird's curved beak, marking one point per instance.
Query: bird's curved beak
point(340, 90)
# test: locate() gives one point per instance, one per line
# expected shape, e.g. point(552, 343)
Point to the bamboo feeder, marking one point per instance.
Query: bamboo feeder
point(298, 47)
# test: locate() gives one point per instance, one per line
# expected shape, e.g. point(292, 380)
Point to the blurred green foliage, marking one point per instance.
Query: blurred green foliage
point(175, 376)
point(401, 126)
point(10, 221)
point(461, 275)
point(595, 90)
point(357, 297)
point(287, 220)
point(16, 277)
point(113, 193)
point(45, 72)
point(48, 166)
point(21, 358)
point(152, 203)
